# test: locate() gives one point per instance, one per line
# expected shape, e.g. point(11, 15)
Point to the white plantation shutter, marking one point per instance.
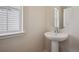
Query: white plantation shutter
point(3, 20)
point(13, 20)
point(10, 20)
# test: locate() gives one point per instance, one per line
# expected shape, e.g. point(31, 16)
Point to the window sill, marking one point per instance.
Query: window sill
point(9, 35)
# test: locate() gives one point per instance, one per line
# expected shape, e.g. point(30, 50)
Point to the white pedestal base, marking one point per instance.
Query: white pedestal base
point(54, 46)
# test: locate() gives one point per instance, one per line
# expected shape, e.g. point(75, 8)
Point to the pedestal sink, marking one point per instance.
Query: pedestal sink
point(55, 38)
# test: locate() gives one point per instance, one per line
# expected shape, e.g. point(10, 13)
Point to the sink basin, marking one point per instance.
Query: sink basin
point(56, 36)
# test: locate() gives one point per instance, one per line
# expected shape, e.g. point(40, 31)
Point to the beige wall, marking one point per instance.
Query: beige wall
point(50, 18)
point(37, 21)
point(34, 27)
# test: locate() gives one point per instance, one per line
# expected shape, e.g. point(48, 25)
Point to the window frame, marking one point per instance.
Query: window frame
point(12, 34)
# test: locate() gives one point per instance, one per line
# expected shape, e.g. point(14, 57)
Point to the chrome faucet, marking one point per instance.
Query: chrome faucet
point(56, 30)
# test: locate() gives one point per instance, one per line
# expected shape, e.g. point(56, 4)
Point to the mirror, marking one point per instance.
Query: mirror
point(58, 17)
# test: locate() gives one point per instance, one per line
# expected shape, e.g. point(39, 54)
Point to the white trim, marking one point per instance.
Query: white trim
point(22, 19)
point(4, 34)
point(10, 35)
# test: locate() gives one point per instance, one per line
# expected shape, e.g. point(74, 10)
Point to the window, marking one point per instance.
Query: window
point(10, 20)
